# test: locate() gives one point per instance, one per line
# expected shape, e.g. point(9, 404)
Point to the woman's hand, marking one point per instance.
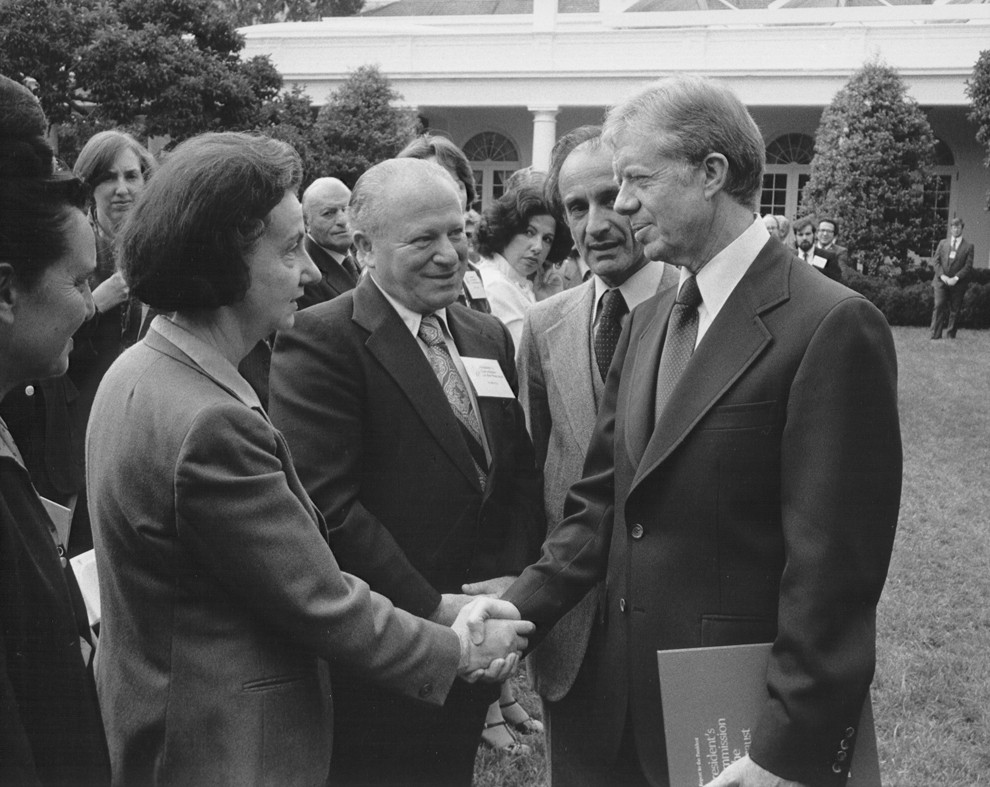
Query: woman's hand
point(110, 293)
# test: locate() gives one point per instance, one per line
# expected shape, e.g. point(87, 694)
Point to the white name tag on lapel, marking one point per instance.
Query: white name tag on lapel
point(819, 262)
point(474, 285)
point(952, 255)
point(487, 378)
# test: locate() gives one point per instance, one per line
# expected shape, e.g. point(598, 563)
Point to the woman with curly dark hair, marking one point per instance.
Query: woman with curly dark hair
point(518, 236)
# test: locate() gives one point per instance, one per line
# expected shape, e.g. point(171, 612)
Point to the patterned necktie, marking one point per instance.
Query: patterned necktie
point(609, 328)
point(455, 391)
point(678, 346)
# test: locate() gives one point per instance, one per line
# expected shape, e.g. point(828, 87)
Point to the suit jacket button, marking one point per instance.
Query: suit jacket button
point(426, 690)
point(637, 531)
point(841, 756)
point(622, 605)
point(836, 768)
point(850, 731)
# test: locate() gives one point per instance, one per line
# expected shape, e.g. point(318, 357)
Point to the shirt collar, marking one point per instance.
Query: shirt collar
point(719, 277)
point(336, 256)
point(208, 358)
point(410, 318)
point(639, 287)
point(511, 273)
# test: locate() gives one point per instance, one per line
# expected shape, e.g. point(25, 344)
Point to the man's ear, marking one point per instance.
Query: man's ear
point(716, 169)
point(362, 243)
point(8, 292)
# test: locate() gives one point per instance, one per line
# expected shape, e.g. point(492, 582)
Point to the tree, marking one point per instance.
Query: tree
point(168, 66)
point(874, 152)
point(978, 91)
point(45, 41)
point(360, 127)
point(291, 118)
point(175, 63)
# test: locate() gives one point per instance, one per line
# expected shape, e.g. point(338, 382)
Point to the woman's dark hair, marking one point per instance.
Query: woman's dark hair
point(36, 203)
point(182, 248)
point(510, 214)
point(448, 156)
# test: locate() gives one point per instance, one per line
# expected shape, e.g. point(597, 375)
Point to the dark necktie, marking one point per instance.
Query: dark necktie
point(609, 328)
point(678, 346)
point(351, 267)
point(455, 391)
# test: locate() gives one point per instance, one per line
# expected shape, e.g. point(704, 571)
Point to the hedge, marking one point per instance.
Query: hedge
point(908, 298)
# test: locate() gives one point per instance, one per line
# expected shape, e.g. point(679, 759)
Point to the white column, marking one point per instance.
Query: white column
point(544, 15)
point(544, 135)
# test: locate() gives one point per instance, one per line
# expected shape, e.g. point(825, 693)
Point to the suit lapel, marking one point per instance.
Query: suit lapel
point(571, 364)
point(732, 343)
point(395, 348)
point(334, 275)
point(477, 342)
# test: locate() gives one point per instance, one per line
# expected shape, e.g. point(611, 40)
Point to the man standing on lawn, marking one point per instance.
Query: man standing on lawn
point(743, 480)
point(953, 262)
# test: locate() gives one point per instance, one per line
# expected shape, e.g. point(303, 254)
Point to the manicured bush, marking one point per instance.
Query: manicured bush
point(908, 299)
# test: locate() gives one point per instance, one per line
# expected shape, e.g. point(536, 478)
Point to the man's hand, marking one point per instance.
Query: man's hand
point(490, 587)
point(110, 293)
point(746, 773)
point(450, 607)
point(491, 636)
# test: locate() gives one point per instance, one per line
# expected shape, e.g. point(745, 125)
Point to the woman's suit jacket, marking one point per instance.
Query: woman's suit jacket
point(222, 603)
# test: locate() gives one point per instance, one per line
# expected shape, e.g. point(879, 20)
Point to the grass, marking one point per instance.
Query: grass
point(931, 692)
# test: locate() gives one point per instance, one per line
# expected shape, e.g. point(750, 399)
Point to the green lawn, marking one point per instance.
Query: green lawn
point(932, 688)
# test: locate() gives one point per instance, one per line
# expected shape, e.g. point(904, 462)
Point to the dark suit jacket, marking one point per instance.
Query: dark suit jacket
point(381, 453)
point(762, 507)
point(221, 601)
point(961, 266)
point(50, 727)
point(841, 255)
point(335, 280)
point(831, 268)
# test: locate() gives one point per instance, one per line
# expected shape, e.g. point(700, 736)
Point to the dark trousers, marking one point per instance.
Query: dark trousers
point(575, 730)
point(948, 302)
point(382, 739)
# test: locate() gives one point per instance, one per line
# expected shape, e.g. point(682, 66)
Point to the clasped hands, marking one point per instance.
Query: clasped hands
point(492, 639)
point(949, 280)
point(492, 635)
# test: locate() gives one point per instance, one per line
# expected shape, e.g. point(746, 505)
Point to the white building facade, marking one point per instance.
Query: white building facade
point(505, 86)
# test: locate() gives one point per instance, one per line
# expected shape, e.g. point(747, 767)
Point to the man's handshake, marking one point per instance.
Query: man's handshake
point(492, 637)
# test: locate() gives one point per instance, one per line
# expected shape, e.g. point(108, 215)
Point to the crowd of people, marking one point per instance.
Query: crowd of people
point(350, 454)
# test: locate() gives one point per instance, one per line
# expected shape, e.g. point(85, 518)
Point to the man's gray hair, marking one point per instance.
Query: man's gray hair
point(690, 117)
point(367, 212)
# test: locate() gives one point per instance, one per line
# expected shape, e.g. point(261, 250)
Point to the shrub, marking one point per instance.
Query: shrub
point(908, 299)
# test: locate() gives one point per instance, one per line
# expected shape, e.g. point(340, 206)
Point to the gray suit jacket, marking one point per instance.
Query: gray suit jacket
point(560, 388)
point(222, 602)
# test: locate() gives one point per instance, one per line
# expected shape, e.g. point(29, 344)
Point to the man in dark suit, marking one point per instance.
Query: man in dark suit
point(399, 407)
point(825, 261)
point(760, 505)
point(328, 240)
point(953, 263)
point(827, 232)
point(564, 355)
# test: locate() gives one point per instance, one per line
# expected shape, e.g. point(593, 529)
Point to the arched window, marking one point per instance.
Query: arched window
point(788, 170)
point(938, 198)
point(493, 158)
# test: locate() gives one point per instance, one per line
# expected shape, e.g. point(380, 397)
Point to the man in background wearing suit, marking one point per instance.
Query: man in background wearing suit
point(953, 262)
point(825, 261)
point(399, 408)
point(566, 348)
point(828, 231)
point(328, 240)
point(743, 479)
